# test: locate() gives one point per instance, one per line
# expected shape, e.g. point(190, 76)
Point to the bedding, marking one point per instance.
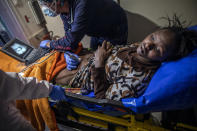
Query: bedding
point(173, 86)
point(37, 111)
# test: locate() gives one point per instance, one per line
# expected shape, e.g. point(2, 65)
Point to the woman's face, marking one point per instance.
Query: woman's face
point(157, 46)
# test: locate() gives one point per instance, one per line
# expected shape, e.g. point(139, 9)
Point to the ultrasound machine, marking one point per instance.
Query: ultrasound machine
point(23, 52)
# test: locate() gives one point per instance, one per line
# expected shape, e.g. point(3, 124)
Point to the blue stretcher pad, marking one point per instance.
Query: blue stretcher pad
point(174, 86)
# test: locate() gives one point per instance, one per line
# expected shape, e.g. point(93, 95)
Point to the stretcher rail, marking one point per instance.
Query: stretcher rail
point(101, 102)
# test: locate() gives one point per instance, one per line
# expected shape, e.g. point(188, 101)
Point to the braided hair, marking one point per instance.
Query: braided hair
point(186, 40)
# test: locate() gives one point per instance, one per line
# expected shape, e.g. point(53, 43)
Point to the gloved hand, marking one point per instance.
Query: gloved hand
point(72, 60)
point(43, 44)
point(49, 12)
point(57, 93)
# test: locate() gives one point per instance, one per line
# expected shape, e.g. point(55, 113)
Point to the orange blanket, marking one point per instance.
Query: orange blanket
point(37, 111)
point(8, 64)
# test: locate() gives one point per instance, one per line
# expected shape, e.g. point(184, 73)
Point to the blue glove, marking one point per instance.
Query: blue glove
point(57, 93)
point(43, 44)
point(72, 60)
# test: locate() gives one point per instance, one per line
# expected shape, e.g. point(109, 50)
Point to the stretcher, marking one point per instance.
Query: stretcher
point(107, 115)
point(172, 90)
point(132, 114)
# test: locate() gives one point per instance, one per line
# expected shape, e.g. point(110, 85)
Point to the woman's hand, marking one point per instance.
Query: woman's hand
point(102, 53)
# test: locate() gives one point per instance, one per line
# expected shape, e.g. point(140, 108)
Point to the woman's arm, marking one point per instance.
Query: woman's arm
point(98, 72)
point(13, 86)
point(100, 82)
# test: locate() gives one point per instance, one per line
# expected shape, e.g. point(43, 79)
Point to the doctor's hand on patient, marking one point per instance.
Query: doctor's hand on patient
point(102, 53)
point(57, 93)
point(72, 60)
point(45, 44)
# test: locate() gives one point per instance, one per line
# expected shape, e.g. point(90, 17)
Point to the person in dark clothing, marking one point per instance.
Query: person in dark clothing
point(100, 19)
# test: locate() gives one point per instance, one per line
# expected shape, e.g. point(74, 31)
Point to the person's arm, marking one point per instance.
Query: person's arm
point(100, 82)
point(13, 86)
point(98, 72)
point(78, 29)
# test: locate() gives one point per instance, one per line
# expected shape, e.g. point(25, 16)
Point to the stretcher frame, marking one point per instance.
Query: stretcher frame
point(129, 122)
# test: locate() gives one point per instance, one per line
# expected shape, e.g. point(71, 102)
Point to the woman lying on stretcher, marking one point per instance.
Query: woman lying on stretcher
point(125, 71)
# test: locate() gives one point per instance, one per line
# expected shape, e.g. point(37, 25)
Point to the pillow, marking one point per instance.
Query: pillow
point(193, 27)
point(173, 86)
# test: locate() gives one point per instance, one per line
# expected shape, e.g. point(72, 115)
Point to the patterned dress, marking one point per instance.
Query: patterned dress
point(124, 80)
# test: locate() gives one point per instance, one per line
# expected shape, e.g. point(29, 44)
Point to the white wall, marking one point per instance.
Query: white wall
point(153, 9)
point(55, 24)
point(33, 32)
point(144, 15)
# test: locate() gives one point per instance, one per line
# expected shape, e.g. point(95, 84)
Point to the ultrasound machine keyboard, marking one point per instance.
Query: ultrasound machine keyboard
point(35, 55)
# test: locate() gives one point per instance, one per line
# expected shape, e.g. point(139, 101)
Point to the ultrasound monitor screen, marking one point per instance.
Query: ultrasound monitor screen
point(18, 48)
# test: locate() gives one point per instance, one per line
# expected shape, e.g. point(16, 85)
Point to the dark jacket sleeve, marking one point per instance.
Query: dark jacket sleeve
point(100, 82)
point(77, 29)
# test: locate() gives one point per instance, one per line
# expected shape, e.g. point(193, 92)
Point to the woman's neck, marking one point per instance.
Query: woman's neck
point(130, 56)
